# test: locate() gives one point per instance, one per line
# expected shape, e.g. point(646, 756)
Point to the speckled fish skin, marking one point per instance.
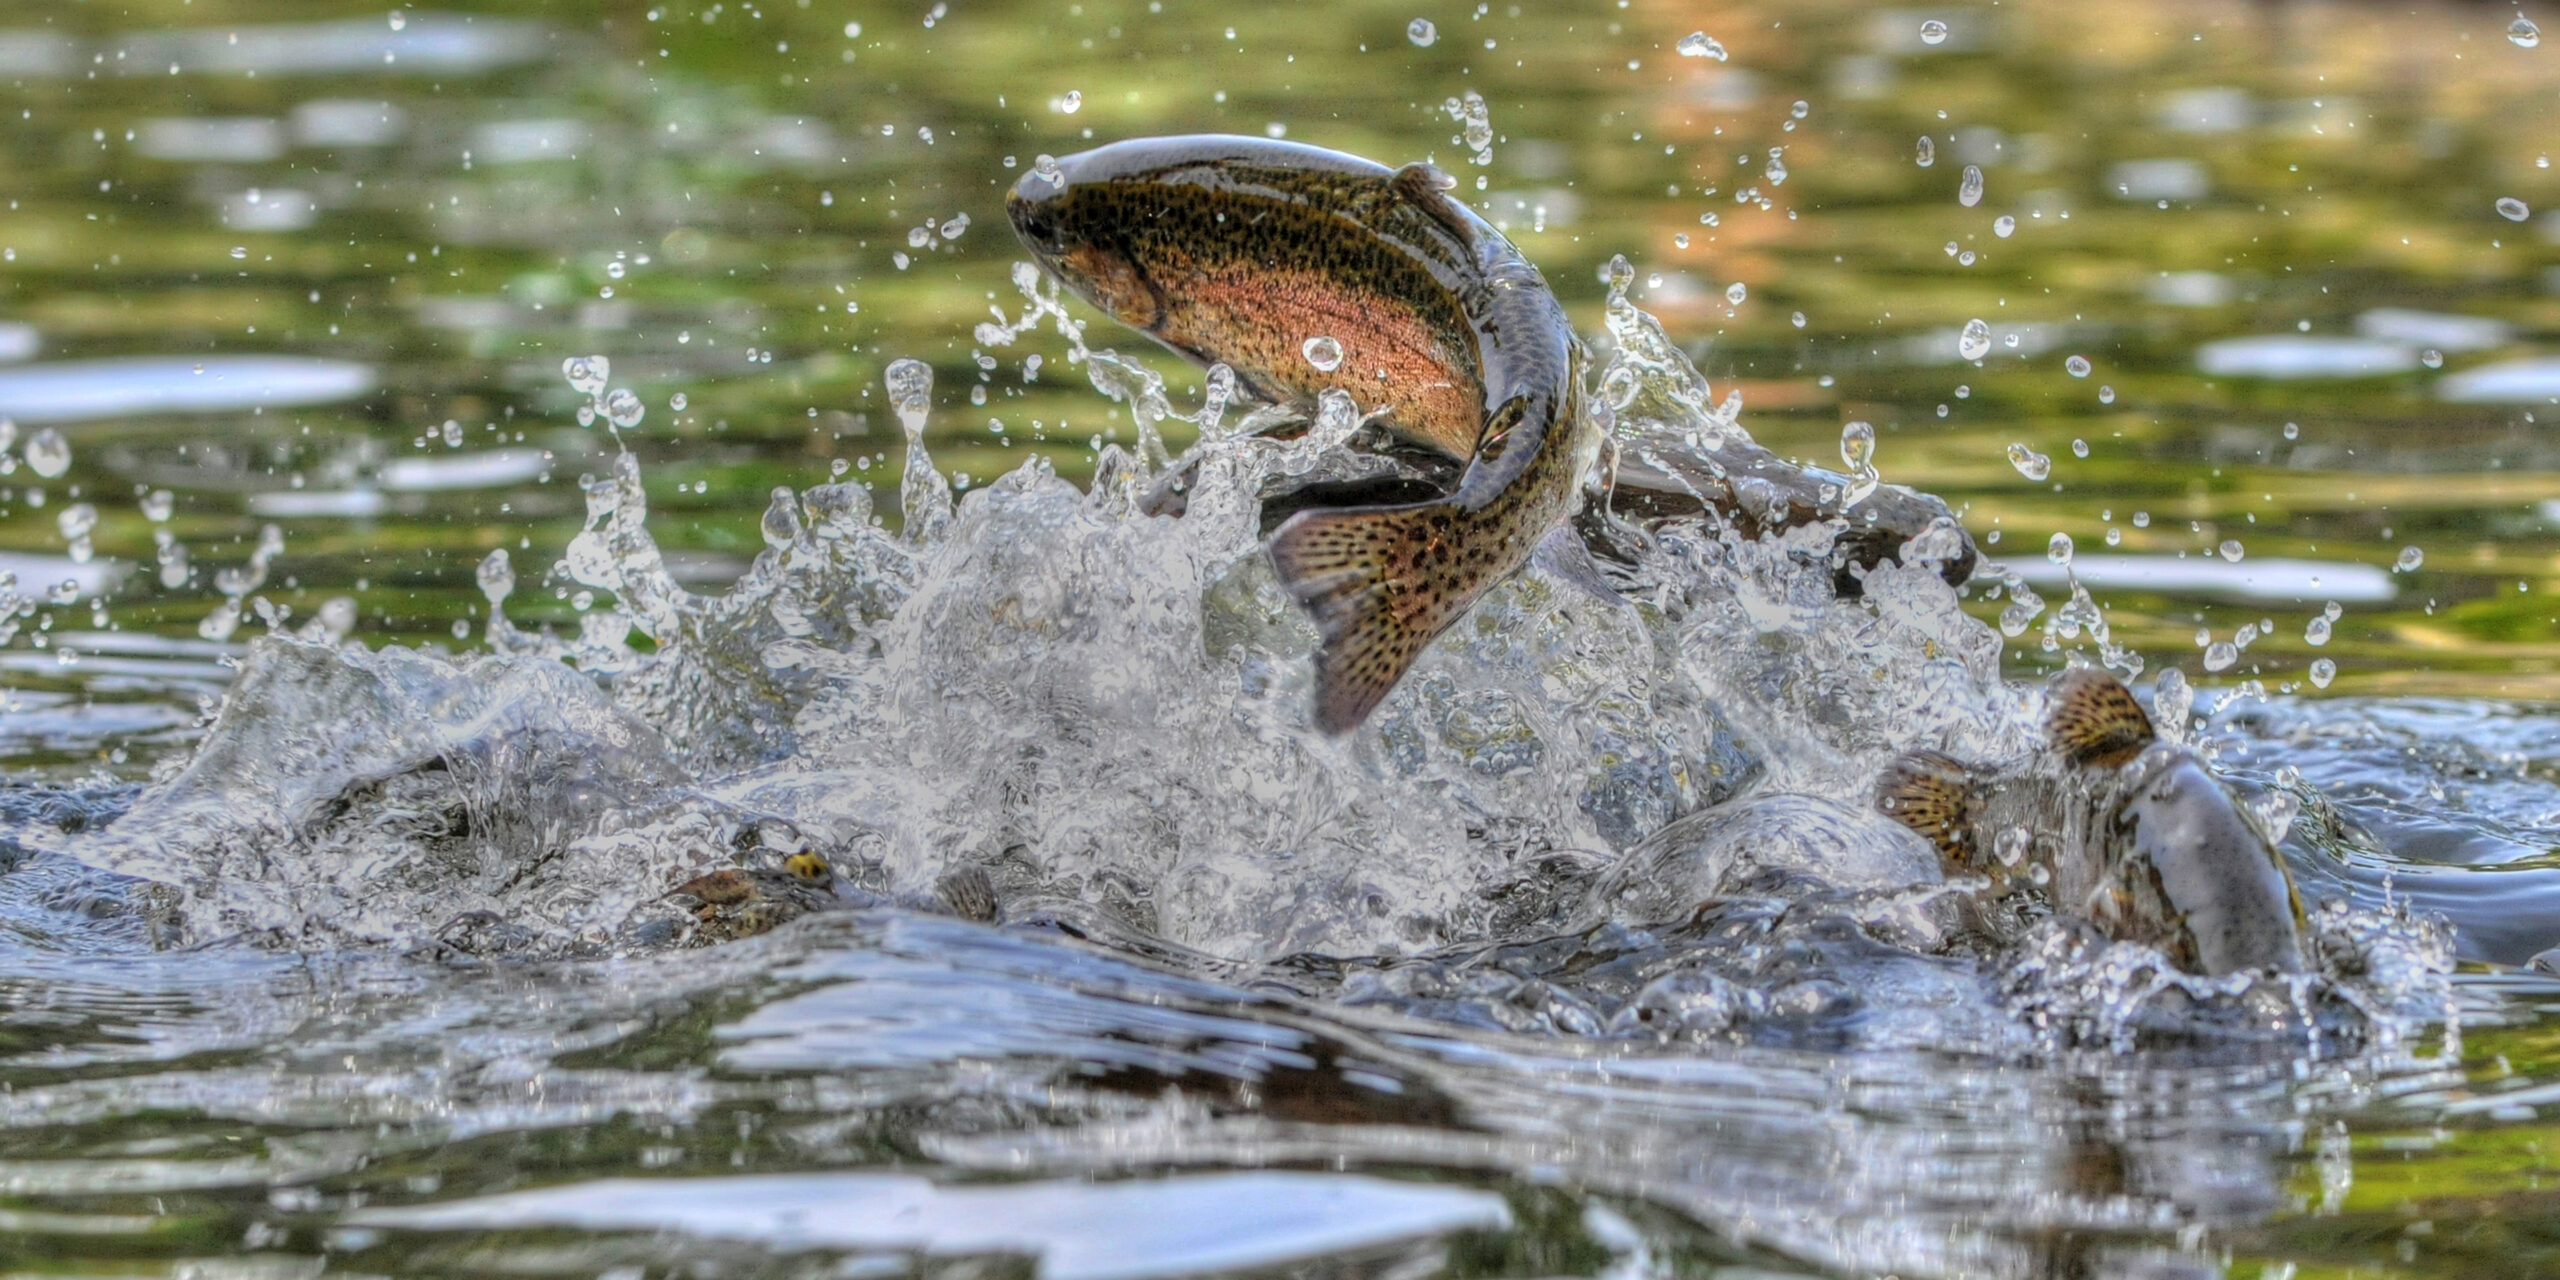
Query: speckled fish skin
point(2140, 838)
point(1237, 251)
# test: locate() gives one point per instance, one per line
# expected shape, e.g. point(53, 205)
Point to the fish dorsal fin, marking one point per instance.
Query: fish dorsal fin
point(2095, 721)
point(1931, 793)
point(1427, 186)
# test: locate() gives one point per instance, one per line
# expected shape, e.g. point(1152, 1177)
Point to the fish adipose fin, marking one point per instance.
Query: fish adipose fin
point(1363, 574)
point(1931, 793)
point(2095, 720)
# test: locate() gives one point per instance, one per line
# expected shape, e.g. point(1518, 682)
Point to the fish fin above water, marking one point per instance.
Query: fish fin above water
point(1356, 571)
point(2095, 720)
point(1427, 186)
point(1931, 793)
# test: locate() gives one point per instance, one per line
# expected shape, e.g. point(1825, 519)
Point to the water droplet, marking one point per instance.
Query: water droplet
point(1928, 152)
point(1801, 109)
point(239, 251)
point(2031, 464)
point(615, 270)
point(1975, 342)
point(677, 402)
point(781, 525)
point(1858, 445)
point(2431, 358)
point(2316, 632)
point(49, 453)
point(2322, 672)
point(2106, 395)
point(76, 521)
point(1735, 293)
point(1797, 319)
point(2331, 611)
point(2058, 550)
point(2079, 448)
point(2410, 557)
point(951, 230)
point(2231, 549)
point(158, 505)
point(1619, 274)
point(1969, 187)
point(2513, 210)
point(2115, 536)
point(1698, 44)
point(919, 237)
point(2077, 366)
point(2004, 226)
point(1322, 352)
point(624, 408)
point(910, 384)
point(1070, 102)
point(587, 374)
point(2292, 430)
point(1933, 32)
point(2523, 33)
point(2219, 655)
point(1421, 32)
point(1680, 240)
point(497, 576)
point(2141, 519)
point(1045, 168)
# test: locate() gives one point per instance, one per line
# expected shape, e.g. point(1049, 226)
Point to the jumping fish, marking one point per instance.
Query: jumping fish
point(1254, 253)
point(2129, 832)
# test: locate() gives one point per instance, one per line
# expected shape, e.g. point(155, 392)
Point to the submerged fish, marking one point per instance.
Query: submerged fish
point(1305, 270)
point(2126, 831)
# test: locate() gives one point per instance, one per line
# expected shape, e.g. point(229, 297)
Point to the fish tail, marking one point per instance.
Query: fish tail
point(1933, 794)
point(2095, 720)
point(1379, 582)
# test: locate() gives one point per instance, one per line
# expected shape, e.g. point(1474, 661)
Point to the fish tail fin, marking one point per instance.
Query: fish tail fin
point(1359, 573)
point(2095, 720)
point(1931, 793)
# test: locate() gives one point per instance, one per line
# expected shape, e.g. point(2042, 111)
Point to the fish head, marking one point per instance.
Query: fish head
point(2190, 857)
point(1076, 232)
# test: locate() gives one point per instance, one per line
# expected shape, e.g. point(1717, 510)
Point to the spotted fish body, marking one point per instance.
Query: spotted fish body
point(1240, 251)
point(2131, 833)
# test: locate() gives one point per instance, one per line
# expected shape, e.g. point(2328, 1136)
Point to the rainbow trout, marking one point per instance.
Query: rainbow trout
point(2128, 832)
point(1243, 251)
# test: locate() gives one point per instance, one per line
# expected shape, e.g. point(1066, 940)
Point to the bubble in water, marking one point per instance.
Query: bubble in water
point(1933, 32)
point(1735, 293)
point(2316, 632)
point(2513, 210)
point(2031, 464)
point(2220, 655)
point(2523, 33)
point(49, 453)
point(158, 505)
point(2004, 226)
point(623, 408)
point(1322, 352)
point(587, 374)
point(1698, 44)
point(1858, 445)
point(497, 576)
point(2076, 366)
point(1975, 342)
point(2232, 550)
point(2322, 672)
point(2058, 549)
point(1969, 187)
point(1421, 32)
point(1928, 152)
point(2410, 557)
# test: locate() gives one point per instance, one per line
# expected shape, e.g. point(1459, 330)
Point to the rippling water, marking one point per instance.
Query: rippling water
point(290, 292)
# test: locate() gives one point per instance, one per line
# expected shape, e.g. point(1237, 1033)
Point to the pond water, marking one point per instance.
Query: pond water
point(483, 336)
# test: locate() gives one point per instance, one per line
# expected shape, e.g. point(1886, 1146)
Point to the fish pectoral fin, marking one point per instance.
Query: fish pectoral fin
point(1931, 793)
point(1351, 569)
point(2095, 720)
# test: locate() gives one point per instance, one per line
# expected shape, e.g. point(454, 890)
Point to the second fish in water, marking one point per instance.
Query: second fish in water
point(1247, 252)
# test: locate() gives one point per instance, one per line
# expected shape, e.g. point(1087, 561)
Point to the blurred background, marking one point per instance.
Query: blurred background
point(2269, 294)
